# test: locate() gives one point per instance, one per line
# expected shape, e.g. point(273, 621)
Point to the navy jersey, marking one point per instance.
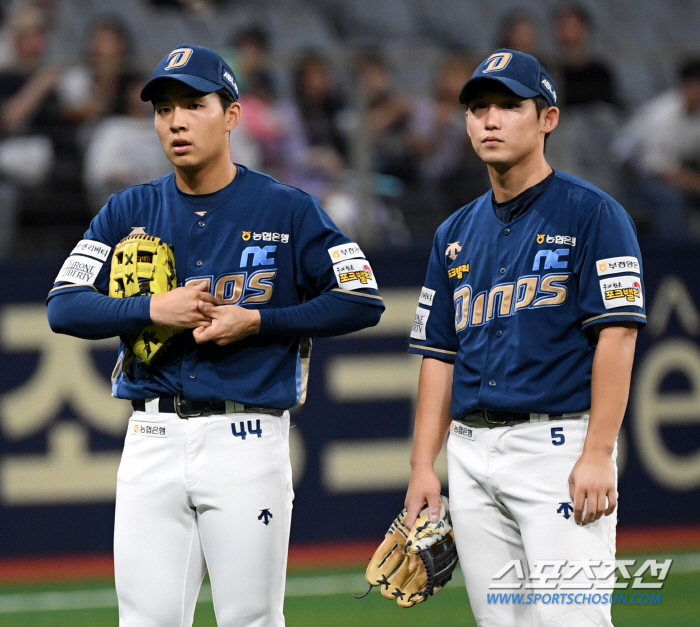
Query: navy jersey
point(510, 303)
point(258, 244)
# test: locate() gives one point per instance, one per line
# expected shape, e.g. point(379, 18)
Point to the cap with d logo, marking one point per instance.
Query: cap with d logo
point(521, 73)
point(200, 68)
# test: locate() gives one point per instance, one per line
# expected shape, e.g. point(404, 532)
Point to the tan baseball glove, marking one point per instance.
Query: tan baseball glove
point(411, 565)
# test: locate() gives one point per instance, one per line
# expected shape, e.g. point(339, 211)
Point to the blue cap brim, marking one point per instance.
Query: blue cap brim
point(474, 84)
point(196, 82)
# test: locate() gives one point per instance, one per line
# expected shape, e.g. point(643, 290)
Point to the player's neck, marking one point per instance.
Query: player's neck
point(507, 183)
point(206, 179)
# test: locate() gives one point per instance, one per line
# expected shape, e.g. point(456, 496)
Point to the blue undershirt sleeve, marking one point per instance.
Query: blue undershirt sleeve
point(324, 316)
point(93, 316)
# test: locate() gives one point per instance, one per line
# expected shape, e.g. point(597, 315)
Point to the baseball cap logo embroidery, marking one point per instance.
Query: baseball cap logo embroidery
point(498, 61)
point(548, 86)
point(178, 58)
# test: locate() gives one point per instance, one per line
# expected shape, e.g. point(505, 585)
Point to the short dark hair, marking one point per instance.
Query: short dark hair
point(252, 34)
point(575, 9)
point(689, 70)
point(540, 105)
point(225, 98)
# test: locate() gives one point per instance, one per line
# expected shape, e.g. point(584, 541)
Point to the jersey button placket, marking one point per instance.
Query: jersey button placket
point(199, 263)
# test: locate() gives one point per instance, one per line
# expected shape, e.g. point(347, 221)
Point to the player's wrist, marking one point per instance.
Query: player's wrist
point(421, 466)
point(154, 308)
point(254, 321)
point(597, 451)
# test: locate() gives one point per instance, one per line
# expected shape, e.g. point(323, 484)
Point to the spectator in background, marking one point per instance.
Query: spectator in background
point(320, 104)
point(581, 79)
point(123, 149)
point(388, 119)
point(27, 96)
point(250, 49)
point(258, 140)
point(315, 144)
point(518, 31)
point(450, 172)
point(30, 123)
point(37, 145)
point(97, 88)
point(661, 145)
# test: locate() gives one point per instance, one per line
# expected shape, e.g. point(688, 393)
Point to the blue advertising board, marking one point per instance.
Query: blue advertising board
point(61, 432)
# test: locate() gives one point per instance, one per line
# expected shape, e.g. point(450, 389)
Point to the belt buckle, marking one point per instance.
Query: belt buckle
point(492, 422)
point(180, 403)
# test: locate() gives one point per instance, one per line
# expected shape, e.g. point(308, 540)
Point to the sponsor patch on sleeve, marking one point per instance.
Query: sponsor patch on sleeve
point(426, 296)
point(419, 323)
point(79, 269)
point(615, 265)
point(354, 274)
point(345, 251)
point(92, 248)
point(622, 291)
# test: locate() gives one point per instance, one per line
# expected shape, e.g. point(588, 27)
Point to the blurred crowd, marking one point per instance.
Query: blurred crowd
point(388, 161)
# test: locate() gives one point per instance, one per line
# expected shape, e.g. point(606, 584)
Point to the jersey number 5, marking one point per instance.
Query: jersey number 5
point(558, 436)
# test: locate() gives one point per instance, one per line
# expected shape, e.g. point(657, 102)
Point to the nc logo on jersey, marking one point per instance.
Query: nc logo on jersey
point(497, 62)
point(178, 58)
point(259, 256)
point(551, 259)
point(453, 250)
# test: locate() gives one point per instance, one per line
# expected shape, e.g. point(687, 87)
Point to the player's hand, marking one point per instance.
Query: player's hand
point(423, 488)
point(229, 323)
point(179, 308)
point(591, 482)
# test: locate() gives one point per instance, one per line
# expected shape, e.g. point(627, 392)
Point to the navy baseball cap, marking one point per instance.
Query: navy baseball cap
point(200, 68)
point(521, 73)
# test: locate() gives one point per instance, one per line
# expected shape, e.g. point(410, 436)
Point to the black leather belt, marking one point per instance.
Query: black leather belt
point(511, 417)
point(186, 408)
point(500, 417)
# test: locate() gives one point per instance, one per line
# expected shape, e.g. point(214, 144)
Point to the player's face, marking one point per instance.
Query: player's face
point(505, 129)
point(192, 127)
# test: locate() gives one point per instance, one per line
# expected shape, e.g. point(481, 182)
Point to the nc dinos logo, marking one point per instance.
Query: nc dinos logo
point(453, 250)
point(178, 58)
point(497, 62)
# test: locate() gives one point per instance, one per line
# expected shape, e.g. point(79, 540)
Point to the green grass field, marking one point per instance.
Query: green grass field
point(322, 599)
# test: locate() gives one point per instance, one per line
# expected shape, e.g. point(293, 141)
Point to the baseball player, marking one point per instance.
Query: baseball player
point(527, 325)
point(205, 478)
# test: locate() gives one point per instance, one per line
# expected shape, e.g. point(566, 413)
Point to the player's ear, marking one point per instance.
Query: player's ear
point(232, 115)
point(550, 119)
point(466, 121)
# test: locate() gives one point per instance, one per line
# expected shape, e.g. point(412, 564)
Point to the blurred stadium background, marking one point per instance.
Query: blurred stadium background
point(356, 102)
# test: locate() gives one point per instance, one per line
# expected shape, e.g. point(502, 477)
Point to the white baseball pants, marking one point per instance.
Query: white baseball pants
point(193, 496)
point(507, 490)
